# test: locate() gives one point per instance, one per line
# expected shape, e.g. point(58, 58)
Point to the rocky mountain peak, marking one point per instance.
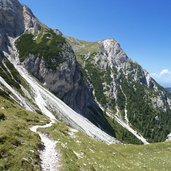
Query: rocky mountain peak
point(114, 52)
point(109, 42)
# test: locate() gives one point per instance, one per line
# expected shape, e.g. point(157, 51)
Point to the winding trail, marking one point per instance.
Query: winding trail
point(49, 155)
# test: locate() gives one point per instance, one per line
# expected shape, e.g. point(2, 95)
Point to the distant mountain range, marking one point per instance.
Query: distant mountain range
point(168, 89)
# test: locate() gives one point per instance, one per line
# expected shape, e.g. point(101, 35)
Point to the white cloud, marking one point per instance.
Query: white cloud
point(163, 77)
point(165, 72)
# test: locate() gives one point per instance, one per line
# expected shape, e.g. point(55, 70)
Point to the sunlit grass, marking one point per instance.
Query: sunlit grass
point(80, 152)
point(18, 145)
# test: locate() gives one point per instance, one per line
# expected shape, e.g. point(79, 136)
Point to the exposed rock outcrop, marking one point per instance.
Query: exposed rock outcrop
point(14, 20)
point(11, 21)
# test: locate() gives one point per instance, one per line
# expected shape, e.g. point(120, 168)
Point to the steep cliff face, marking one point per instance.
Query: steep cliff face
point(11, 21)
point(14, 19)
point(126, 92)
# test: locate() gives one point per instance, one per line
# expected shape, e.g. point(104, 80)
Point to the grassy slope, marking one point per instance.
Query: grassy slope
point(80, 152)
point(18, 145)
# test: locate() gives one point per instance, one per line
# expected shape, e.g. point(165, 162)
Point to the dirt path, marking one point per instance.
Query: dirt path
point(49, 155)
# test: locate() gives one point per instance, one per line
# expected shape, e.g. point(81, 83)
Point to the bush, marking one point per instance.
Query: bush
point(2, 116)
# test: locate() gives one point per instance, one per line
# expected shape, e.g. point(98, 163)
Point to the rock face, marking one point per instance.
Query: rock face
point(11, 21)
point(113, 53)
point(30, 21)
point(14, 19)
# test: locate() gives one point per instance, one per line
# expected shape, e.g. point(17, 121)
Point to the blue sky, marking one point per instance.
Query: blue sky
point(142, 27)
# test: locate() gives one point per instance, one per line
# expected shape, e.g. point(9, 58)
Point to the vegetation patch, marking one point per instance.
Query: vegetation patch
point(123, 134)
point(12, 77)
point(18, 145)
point(46, 45)
point(97, 82)
point(154, 124)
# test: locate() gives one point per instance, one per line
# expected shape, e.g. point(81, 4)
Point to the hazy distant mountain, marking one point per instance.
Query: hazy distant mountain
point(168, 89)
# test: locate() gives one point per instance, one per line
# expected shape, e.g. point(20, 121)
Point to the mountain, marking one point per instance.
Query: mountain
point(168, 89)
point(48, 56)
point(125, 91)
point(59, 72)
point(76, 92)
